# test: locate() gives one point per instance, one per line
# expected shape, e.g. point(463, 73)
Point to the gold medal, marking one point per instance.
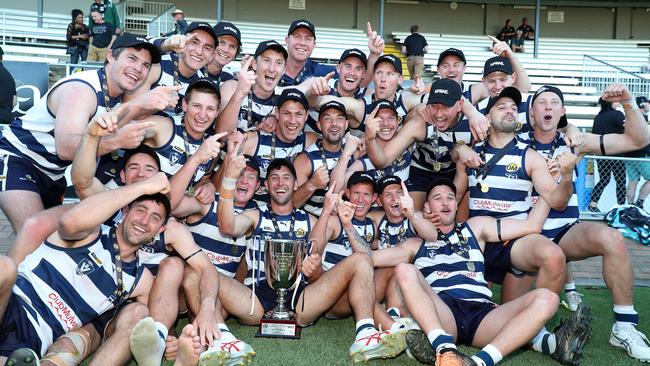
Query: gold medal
point(471, 267)
point(436, 166)
point(484, 187)
point(190, 191)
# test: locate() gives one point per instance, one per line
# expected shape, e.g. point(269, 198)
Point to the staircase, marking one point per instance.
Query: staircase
point(392, 49)
point(137, 15)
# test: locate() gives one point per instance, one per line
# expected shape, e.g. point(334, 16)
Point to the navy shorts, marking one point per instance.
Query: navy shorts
point(420, 179)
point(468, 316)
point(497, 261)
point(561, 234)
point(20, 174)
point(16, 330)
point(269, 298)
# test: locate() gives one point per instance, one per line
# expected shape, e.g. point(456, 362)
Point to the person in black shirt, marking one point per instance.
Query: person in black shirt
point(527, 32)
point(7, 93)
point(102, 35)
point(507, 33)
point(608, 120)
point(77, 35)
point(415, 46)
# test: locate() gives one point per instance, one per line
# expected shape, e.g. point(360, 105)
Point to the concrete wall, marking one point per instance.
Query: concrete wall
point(49, 6)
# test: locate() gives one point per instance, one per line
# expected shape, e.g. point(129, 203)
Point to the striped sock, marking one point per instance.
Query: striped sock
point(488, 356)
point(393, 312)
point(440, 339)
point(569, 287)
point(544, 342)
point(625, 315)
point(364, 328)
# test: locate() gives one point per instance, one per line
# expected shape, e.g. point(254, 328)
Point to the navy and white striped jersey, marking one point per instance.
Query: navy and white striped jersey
point(369, 101)
point(340, 248)
point(265, 152)
point(523, 115)
point(266, 230)
point(223, 251)
point(62, 289)
point(400, 167)
point(167, 79)
point(557, 221)
point(437, 146)
point(310, 125)
point(316, 154)
point(391, 234)
point(509, 185)
point(259, 109)
point(32, 135)
point(451, 273)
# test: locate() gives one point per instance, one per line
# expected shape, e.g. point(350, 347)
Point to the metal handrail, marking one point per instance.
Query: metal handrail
point(161, 24)
point(136, 14)
point(616, 67)
point(599, 74)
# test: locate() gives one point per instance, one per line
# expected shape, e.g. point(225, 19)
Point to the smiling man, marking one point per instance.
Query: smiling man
point(228, 46)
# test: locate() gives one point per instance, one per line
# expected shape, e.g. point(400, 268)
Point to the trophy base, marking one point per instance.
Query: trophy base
point(276, 328)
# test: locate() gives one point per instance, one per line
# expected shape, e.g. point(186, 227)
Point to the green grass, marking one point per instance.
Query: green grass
point(328, 341)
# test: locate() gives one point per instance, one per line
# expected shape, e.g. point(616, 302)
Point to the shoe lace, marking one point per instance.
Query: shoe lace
point(573, 297)
point(634, 337)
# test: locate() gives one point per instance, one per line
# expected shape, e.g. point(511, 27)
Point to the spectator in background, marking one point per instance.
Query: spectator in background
point(7, 93)
point(608, 120)
point(527, 32)
point(637, 169)
point(518, 43)
point(415, 46)
point(180, 24)
point(102, 35)
point(507, 33)
point(77, 35)
point(108, 12)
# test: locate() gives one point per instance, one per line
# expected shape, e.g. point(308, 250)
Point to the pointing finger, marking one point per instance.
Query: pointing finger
point(404, 189)
point(332, 187)
point(369, 29)
point(330, 75)
point(494, 40)
point(374, 112)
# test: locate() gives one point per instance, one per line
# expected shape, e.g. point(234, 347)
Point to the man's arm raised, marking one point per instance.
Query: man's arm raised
point(556, 194)
point(412, 131)
point(423, 227)
point(232, 96)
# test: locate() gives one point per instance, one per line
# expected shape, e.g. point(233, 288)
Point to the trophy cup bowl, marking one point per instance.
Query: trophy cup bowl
point(283, 265)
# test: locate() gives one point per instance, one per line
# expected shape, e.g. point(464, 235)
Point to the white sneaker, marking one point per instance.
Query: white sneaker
point(571, 300)
point(408, 322)
point(227, 352)
point(634, 342)
point(381, 344)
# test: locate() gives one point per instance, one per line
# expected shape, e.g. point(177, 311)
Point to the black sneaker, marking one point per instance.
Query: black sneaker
point(23, 357)
point(571, 336)
point(453, 357)
point(593, 208)
point(418, 346)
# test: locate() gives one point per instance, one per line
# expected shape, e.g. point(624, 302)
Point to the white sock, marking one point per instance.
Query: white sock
point(440, 339)
point(146, 343)
point(569, 286)
point(538, 341)
point(625, 316)
point(364, 328)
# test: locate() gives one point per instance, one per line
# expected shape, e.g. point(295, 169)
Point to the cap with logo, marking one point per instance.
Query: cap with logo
point(354, 52)
point(497, 63)
point(203, 83)
point(332, 104)
point(451, 52)
point(444, 91)
point(177, 11)
point(204, 27)
point(293, 94)
point(360, 177)
point(385, 104)
point(442, 182)
point(391, 59)
point(227, 29)
point(555, 90)
point(509, 92)
point(385, 181)
point(302, 23)
point(252, 163)
point(270, 45)
point(130, 40)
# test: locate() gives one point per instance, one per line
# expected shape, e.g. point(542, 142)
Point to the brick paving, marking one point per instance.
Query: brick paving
point(586, 272)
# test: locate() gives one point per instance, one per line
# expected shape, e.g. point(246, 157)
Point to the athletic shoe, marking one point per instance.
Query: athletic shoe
point(571, 300)
point(634, 342)
point(227, 352)
point(571, 336)
point(381, 344)
point(408, 322)
point(593, 207)
point(419, 347)
point(453, 357)
point(23, 357)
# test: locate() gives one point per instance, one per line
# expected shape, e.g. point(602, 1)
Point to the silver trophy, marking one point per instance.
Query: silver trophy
point(283, 265)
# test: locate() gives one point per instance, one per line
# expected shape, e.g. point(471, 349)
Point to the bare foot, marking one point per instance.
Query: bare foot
point(189, 347)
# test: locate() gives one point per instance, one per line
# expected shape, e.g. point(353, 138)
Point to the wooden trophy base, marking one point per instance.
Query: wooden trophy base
point(276, 328)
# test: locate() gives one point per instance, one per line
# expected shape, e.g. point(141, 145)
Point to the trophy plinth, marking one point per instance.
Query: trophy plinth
point(282, 263)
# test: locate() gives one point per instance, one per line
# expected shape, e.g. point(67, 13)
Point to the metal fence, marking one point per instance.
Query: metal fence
point(137, 14)
point(162, 24)
point(610, 181)
point(25, 27)
point(599, 74)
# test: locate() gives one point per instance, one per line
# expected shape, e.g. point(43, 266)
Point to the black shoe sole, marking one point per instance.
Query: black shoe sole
point(420, 348)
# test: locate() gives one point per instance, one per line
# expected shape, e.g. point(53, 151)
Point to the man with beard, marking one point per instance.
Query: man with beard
point(83, 270)
point(249, 100)
point(37, 147)
point(281, 221)
point(228, 46)
point(447, 294)
point(324, 162)
point(580, 240)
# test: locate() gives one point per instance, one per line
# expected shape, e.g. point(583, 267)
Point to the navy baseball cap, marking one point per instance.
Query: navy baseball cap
point(444, 91)
point(333, 104)
point(384, 182)
point(563, 122)
point(204, 27)
point(270, 45)
point(360, 177)
point(227, 29)
point(509, 92)
point(497, 63)
point(442, 182)
point(391, 59)
point(354, 52)
point(385, 104)
point(130, 40)
point(205, 83)
point(293, 94)
point(252, 163)
point(451, 51)
point(302, 23)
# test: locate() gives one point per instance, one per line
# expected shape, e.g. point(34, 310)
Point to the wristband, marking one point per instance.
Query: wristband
point(228, 183)
point(221, 198)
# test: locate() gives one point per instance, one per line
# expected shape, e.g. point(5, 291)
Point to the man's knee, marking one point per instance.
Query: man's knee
point(551, 257)
point(170, 268)
point(613, 243)
point(545, 301)
point(405, 273)
point(130, 315)
point(361, 262)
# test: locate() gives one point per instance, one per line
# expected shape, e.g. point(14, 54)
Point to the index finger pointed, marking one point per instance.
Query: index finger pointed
point(494, 40)
point(404, 189)
point(330, 75)
point(332, 187)
point(373, 114)
point(369, 29)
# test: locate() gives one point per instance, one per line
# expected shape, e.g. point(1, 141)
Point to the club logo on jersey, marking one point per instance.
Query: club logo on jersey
point(368, 237)
point(174, 158)
point(85, 267)
point(512, 167)
point(519, 126)
point(300, 233)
